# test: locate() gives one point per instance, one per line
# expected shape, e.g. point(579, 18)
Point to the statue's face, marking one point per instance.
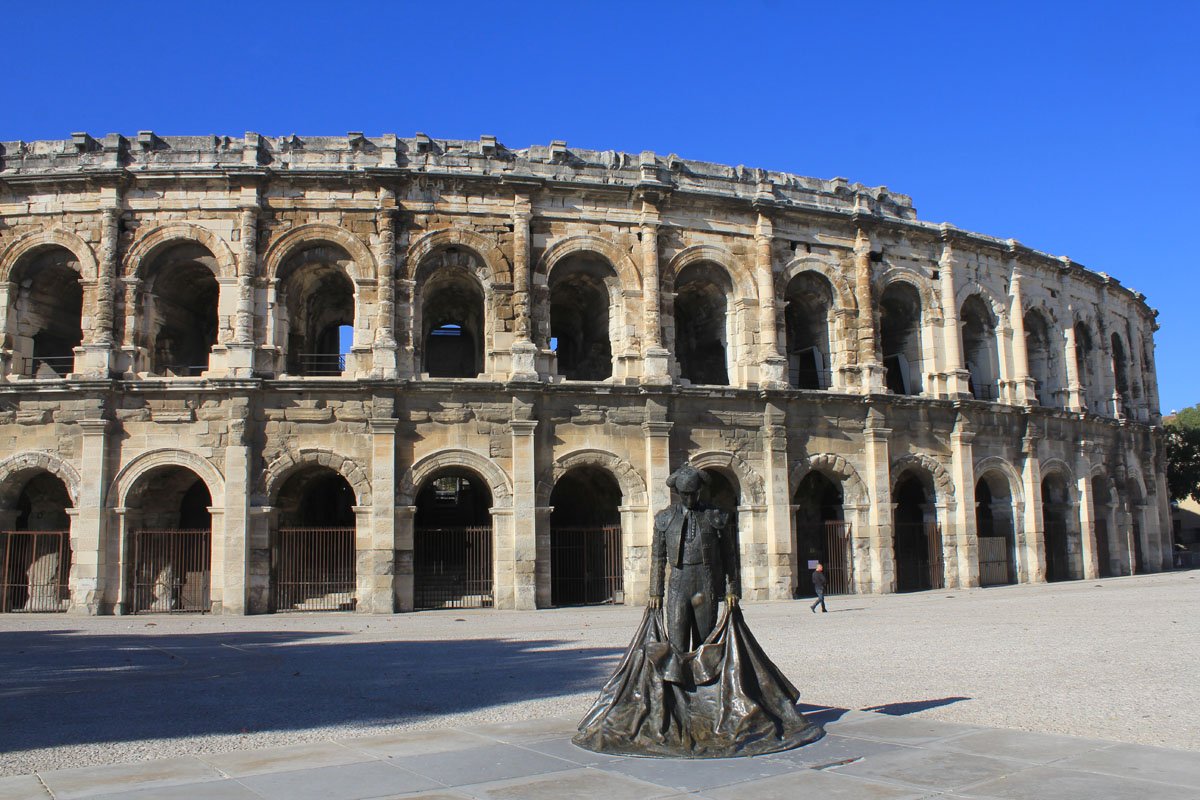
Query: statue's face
point(690, 499)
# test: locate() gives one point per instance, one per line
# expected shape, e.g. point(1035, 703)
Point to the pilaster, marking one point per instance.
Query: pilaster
point(532, 547)
point(1087, 514)
point(871, 371)
point(1026, 386)
point(655, 357)
point(1034, 566)
point(963, 473)
point(772, 363)
point(957, 377)
point(878, 477)
point(779, 547)
point(384, 348)
point(231, 540)
point(376, 544)
point(93, 571)
point(524, 351)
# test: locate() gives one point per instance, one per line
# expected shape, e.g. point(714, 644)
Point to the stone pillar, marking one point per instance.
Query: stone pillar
point(6, 352)
point(121, 555)
point(779, 540)
point(376, 537)
point(91, 553)
point(1075, 394)
point(384, 348)
point(532, 552)
point(97, 344)
point(878, 476)
point(231, 540)
point(772, 364)
point(655, 357)
point(871, 371)
point(132, 287)
point(524, 351)
point(1035, 530)
point(403, 585)
point(658, 466)
point(957, 376)
point(1026, 386)
point(1087, 514)
point(240, 352)
point(966, 536)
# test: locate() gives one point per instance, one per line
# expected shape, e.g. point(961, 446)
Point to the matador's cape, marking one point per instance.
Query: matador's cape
point(723, 699)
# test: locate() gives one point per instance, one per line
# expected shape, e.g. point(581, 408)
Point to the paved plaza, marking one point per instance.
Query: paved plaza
point(1082, 689)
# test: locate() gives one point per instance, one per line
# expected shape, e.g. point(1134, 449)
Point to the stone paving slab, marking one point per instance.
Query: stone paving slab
point(864, 755)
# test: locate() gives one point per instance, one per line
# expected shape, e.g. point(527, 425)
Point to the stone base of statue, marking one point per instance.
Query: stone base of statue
point(722, 700)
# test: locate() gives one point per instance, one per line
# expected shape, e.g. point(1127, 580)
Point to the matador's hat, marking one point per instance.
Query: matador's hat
point(688, 479)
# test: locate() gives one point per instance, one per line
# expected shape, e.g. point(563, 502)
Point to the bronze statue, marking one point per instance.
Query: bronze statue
point(705, 688)
point(704, 561)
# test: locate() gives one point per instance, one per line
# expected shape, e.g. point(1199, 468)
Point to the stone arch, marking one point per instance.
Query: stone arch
point(854, 489)
point(286, 464)
point(129, 474)
point(495, 263)
point(633, 488)
point(35, 240)
point(749, 482)
point(153, 241)
point(741, 279)
point(942, 481)
point(1001, 465)
point(843, 293)
point(1053, 466)
point(622, 264)
point(424, 467)
point(931, 306)
point(362, 266)
point(37, 460)
point(999, 310)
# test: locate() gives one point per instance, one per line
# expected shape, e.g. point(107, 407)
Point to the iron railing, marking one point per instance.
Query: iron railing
point(983, 390)
point(35, 568)
point(452, 567)
point(838, 563)
point(995, 564)
point(183, 370)
point(586, 565)
point(320, 363)
point(811, 379)
point(57, 366)
point(314, 569)
point(172, 571)
point(919, 562)
point(1058, 561)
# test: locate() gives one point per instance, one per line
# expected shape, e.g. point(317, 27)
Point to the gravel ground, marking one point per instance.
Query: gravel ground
point(1112, 659)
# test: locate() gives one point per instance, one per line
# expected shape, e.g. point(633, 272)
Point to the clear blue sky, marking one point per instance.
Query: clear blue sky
point(1072, 127)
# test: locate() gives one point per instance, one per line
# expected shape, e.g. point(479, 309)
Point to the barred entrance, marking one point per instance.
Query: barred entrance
point(919, 563)
point(994, 567)
point(35, 568)
point(1058, 567)
point(828, 543)
point(1062, 560)
point(452, 543)
point(314, 570)
point(994, 529)
point(587, 563)
point(171, 571)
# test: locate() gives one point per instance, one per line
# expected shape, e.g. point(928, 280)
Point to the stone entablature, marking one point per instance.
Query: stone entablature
point(520, 316)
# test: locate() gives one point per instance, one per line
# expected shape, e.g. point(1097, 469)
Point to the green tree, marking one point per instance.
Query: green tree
point(1183, 454)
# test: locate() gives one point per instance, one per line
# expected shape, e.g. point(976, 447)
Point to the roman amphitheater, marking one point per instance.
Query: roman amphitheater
point(259, 374)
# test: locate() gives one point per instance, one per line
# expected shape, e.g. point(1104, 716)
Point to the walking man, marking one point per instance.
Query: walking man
point(818, 579)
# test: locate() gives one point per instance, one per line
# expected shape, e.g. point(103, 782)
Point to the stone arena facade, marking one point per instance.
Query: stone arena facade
point(244, 375)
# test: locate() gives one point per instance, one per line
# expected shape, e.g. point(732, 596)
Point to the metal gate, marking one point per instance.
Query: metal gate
point(314, 569)
point(452, 567)
point(586, 565)
point(171, 571)
point(1103, 556)
point(1058, 565)
point(835, 536)
point(35, 569)
point(995, 567)
point(919, 565)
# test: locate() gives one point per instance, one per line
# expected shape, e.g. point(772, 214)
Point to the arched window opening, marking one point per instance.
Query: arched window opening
point(313, 557)
point(994, 528)
point(48, 305)
point(822, 535)
point(979, 349)
point(1043, 359)
point(317, 295)
point(580, 317)
point(452, 320)
point(181, 310)
point(900, 337)
point(171, 541)
point(1107, 556)
point(808, 302)
point(35, 546)
point(702, 325)
point(586, 556)
point(1085, 367)
point(917, 536)
point(1120, 363)
point(452, 542)
point(1064, 557)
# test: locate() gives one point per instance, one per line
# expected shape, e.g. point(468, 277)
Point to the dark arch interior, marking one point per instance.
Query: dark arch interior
point(452, 321)
point(1061, 547)
point(171, 541)
point(821, 534)
point(586, 555)
point(316, 497)
point(1084, 366)
point(900, 337)
point(313, 556)
point(917, 541)
point(700, 324)
point(35, 555)
point(1102, 497)
point(318, 296)
point(1043, 360)
point(994, 529)
point(979, 348)
point(808, 301)
point(49, 307)
point(452, 542)
point(1121, 372)
point(182, 294)
point(579, 317)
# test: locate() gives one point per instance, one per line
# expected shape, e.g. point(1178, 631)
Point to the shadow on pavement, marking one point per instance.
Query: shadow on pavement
point(901, 709)
point(63, 687)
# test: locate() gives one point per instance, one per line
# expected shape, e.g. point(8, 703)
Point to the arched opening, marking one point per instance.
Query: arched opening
point(808, 301)
point(586, 557)
point(316, 296)
point(452, 542)
point(822, 535)
point(1102, 522)
point(1085, 367)
point(900, 337)
point(46, 313)
point(979, 348)
point(1120, 364)
point(35, 545)
point(180, 309)
point(994, 528)
point(1136, 548)
point(313, 558)
point(917, 536)
point(723, 492)
point(1063, 557)
point(580, 316)
point(1043, 359)
point(702, 324)
point(170, 543)
point(452, 324)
